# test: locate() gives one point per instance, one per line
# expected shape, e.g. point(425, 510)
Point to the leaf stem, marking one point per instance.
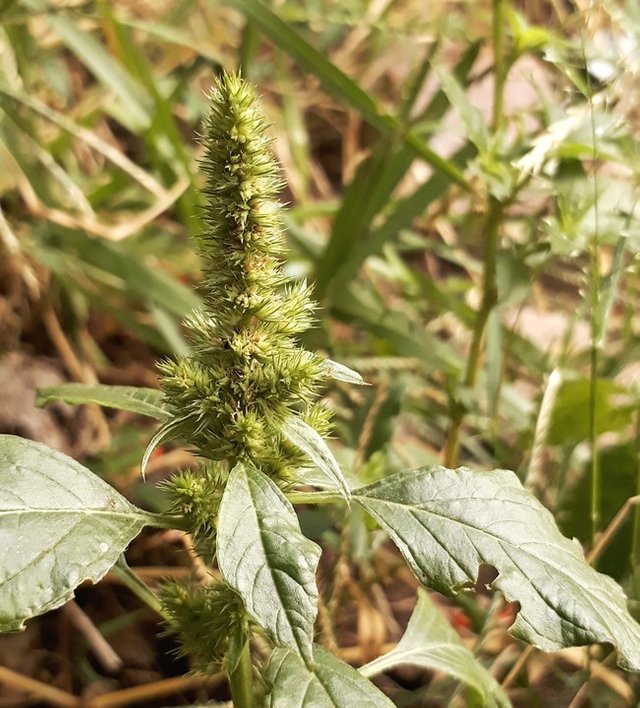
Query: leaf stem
point(241, 680)
point(128, 578)
point(315, 497)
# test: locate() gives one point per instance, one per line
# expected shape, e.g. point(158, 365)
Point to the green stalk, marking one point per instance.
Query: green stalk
point(495, 209)
point(499, 68)
point(489, 299)
point(595, 283)
point(241, 680)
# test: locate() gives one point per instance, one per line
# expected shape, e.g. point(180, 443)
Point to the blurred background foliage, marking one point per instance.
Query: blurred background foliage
point(471, 227)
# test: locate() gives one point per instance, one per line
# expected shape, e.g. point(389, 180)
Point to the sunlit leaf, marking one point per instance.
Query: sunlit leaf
point(145, 401)
point(59, 525)
point(263, 555)
point(305, 437)
point(330, 684)
point(448, 522)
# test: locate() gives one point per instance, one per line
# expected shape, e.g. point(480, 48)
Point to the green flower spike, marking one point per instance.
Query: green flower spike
point(247, 372)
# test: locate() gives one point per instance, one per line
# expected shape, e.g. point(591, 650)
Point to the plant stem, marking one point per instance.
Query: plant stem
point(241, 680)
point(499, 66)
point(489, 299)
point(595, 283)
point(495, 210)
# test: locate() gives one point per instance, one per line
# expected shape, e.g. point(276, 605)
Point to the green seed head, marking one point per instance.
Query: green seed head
point(247, 372)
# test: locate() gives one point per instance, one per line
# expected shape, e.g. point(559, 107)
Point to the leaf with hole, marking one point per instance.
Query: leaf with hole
point(263, 555)
point(447, 523)
point(330, 684)
point(431, 642)
point(59, 526)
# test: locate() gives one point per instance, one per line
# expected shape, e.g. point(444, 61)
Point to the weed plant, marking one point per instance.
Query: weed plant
point(426, 280)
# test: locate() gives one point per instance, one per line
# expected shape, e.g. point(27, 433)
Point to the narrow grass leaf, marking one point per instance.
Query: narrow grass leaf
point(339, 84)
point(105, 68)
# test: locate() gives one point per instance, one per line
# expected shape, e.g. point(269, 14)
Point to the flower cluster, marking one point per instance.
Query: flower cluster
point(246, 372)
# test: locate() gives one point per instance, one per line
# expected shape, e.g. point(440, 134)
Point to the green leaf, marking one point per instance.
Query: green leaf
point(145, 401)
point(59, 525)
point(570, 419)
point(431, 642)
point(263, 555)
point(305, 437)
point(340, 372)
point(330, 684)
point(447, 523)
point(165, 432)
point(475, 128)
point(105, 68)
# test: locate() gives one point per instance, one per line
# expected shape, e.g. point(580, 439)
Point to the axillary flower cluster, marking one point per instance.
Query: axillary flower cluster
point(246, 372)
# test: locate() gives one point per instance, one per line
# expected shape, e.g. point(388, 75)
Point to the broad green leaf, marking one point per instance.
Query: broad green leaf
point(447, 523)
point(305, 437)
point(340, 372)
point(145, 401)
point(431, 642)
point(330, 684)
point(59, 525)
point(263, 555)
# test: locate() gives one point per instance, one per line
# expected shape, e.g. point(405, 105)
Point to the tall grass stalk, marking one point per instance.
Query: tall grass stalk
point(495, 213)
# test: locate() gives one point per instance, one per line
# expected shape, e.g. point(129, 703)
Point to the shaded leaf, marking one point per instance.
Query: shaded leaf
point(145, 401)
point(447, 523)
point(263, 555)
point(59, 525)
point(431, 642)
point(330, 684)
point(305, 437)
